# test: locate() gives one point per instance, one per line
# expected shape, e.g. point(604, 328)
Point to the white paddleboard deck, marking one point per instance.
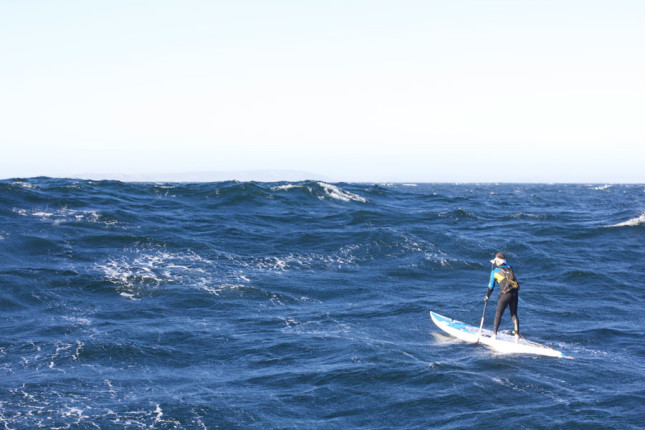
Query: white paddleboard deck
point(503, 344)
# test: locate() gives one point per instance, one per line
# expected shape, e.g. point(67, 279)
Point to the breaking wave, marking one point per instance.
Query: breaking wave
point(631, 222)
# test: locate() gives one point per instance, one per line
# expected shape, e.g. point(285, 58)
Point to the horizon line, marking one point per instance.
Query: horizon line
point(149, 178)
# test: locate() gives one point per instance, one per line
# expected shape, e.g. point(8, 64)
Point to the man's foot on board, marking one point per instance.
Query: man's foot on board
point(494, 337)
point(517, 338)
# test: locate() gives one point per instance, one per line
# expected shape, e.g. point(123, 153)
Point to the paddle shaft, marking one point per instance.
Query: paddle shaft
point(481, 324)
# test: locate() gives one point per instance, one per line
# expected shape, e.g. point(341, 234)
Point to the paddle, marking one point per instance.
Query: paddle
point(481, 324)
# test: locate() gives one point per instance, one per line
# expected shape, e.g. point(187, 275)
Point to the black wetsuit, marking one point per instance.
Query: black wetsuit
point(509, 299)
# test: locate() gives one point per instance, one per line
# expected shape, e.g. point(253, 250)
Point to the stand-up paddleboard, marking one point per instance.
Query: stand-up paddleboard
point(504, 343)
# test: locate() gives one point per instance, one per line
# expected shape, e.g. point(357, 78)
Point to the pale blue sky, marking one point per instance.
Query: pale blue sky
point(454, 90)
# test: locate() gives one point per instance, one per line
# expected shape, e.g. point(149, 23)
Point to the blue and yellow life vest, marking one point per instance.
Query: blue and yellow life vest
point(505, 277)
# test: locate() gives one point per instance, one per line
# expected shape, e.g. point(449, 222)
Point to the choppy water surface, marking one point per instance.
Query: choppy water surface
point(305, 305)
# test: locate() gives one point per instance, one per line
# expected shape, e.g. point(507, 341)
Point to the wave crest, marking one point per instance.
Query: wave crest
point(336, 193)
point(631, 222)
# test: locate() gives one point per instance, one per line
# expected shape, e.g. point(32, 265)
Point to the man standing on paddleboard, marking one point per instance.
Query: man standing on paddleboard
point(504, 275)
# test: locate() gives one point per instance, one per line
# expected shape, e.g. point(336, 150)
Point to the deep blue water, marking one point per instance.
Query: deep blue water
point(305, 305)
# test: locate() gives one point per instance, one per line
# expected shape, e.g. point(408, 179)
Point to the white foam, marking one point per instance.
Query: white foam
point(602, 187)
point(285, 187)
point(159, 413)
point(21, 212)
point(344, 257)
point(24, 185)
point(221, 288)
point(442, 339)
point(507, 383)
point(145, 269)
point(78, 320)
point(273, 263)
point(64, 349)
point(65, 215)
point(110, 387)
point(73, 412)
point(128, 295)
point(77, 351)
point(336, 193)
point(632, 222)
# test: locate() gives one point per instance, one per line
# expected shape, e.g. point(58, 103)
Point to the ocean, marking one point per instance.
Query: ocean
point(305, 305)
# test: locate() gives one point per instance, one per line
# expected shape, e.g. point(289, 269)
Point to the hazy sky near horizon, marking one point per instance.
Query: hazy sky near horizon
point(426, 91)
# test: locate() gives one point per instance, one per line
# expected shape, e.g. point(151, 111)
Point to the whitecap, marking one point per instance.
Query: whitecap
point(141, 270)
point(128, 295)
point(220, 288)
point(62, 348)
point(631, 222)
point(285, 187)
point(64, 215)
point(110, 387)
point(78, 320)
point(74, 412)
point(336, 193)
point(159, 414)
point(25, 185)
point(343, 258)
